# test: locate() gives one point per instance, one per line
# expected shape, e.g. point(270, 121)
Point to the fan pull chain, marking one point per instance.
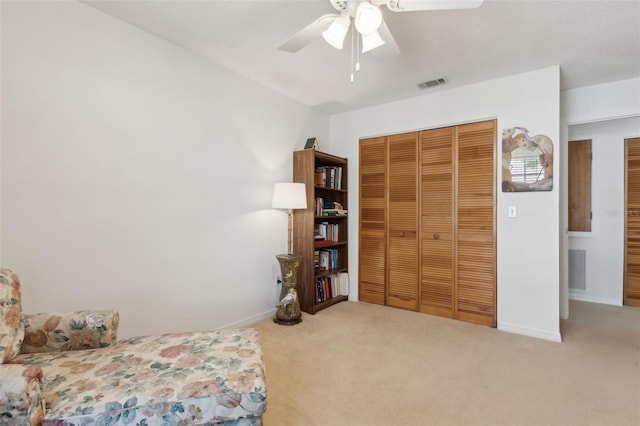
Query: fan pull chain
point(355, 53)
point(352, 67)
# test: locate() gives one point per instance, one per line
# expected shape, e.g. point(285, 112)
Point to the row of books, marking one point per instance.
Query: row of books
point(329, 177)
point(329, 208)
point(326, 231)
point(325, 259)
point(334, 212)
point(331, 286)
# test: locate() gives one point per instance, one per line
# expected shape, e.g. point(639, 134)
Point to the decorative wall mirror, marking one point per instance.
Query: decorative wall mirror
point(527, 161)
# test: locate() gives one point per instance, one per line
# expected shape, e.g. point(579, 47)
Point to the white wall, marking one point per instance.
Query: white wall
point(606, 101)
point(604, 245)
point(603, 102)
point(528, 273)
point(137, 176)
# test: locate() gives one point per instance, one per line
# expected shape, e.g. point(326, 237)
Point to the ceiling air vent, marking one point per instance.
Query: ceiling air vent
point(433, 83)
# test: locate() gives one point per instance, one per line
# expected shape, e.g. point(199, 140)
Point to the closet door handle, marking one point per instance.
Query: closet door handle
point(400, 234)
point(436, 236)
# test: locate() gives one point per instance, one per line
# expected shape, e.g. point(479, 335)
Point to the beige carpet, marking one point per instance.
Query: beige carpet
point(362, 364)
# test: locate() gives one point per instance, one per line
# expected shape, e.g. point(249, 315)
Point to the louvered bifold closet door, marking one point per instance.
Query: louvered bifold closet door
point(632, 223)
point(372, 255)
point(437, 209)
point(476, 228)
point(402, 221)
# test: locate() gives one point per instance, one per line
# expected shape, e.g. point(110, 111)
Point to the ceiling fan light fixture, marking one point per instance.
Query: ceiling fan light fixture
point(371, 41)
point(368, 18)
point(335, 34)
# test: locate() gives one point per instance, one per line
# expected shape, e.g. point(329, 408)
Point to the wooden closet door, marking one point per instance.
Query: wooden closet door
point(372, 266)
point(436, 218)
point(402, 221)
point(475, 223)
point(632, 222)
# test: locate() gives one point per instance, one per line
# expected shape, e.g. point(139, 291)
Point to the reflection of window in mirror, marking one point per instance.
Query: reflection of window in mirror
point(525, 166)
point(580, 185)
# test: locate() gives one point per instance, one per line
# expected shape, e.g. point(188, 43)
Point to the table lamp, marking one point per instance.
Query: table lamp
point(289, 196)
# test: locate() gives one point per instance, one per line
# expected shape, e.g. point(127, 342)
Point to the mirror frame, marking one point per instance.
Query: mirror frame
point(518, 137)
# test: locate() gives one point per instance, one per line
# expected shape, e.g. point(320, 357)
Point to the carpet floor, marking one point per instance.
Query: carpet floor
point(359, 364)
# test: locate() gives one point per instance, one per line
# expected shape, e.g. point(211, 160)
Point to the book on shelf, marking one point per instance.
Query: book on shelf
point(328, 177)
point(327, 287)
point(324, 261)
point(334, 212)
point(328, 259)
point(329, 208)
point(328, 204)
point(319, 206)
point(322, 243)
point(320, 296)
point(343, 289)
point(326, 231)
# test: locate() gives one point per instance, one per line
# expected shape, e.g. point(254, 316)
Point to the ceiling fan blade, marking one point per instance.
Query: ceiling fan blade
point(417, 5)
point(390, 48)
point(308, 34)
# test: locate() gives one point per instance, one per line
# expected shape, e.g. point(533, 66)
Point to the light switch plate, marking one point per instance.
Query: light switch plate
point(513, 211)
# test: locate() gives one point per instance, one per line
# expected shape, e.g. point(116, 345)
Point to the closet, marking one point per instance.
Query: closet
point(428, 221)
point(372, 244)
point(402, 221)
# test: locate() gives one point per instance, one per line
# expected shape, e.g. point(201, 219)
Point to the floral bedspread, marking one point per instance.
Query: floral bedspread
point(174, 379)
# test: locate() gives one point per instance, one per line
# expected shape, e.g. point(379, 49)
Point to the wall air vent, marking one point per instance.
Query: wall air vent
point(577, 269)
point(433, 83)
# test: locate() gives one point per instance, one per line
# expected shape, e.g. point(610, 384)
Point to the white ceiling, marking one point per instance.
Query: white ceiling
point(593, 42)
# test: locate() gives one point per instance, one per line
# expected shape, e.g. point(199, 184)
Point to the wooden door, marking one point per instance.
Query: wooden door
point(579, 183)
point(475, 223)
point(632, 222)
point(372, 265)
point(436, 222)
point(402, 221)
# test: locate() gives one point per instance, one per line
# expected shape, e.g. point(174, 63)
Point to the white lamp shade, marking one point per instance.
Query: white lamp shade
point(371, 41)
point(335, 34)
point(368, 18)
point(289, 196)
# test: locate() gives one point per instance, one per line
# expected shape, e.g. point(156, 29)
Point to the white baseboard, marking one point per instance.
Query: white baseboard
point(531, 332)
point(250, 320)
point(584, 297)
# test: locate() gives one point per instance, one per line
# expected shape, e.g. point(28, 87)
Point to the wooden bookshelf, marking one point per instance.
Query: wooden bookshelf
point(305, 223)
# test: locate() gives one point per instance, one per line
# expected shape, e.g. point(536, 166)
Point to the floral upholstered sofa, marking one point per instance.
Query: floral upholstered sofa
point(69, 369)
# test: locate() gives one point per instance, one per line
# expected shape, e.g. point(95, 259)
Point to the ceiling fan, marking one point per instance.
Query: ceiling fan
point(367, 19)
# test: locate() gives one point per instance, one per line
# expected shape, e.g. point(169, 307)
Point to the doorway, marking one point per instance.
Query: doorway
point(631, 293)
point(600, 251)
